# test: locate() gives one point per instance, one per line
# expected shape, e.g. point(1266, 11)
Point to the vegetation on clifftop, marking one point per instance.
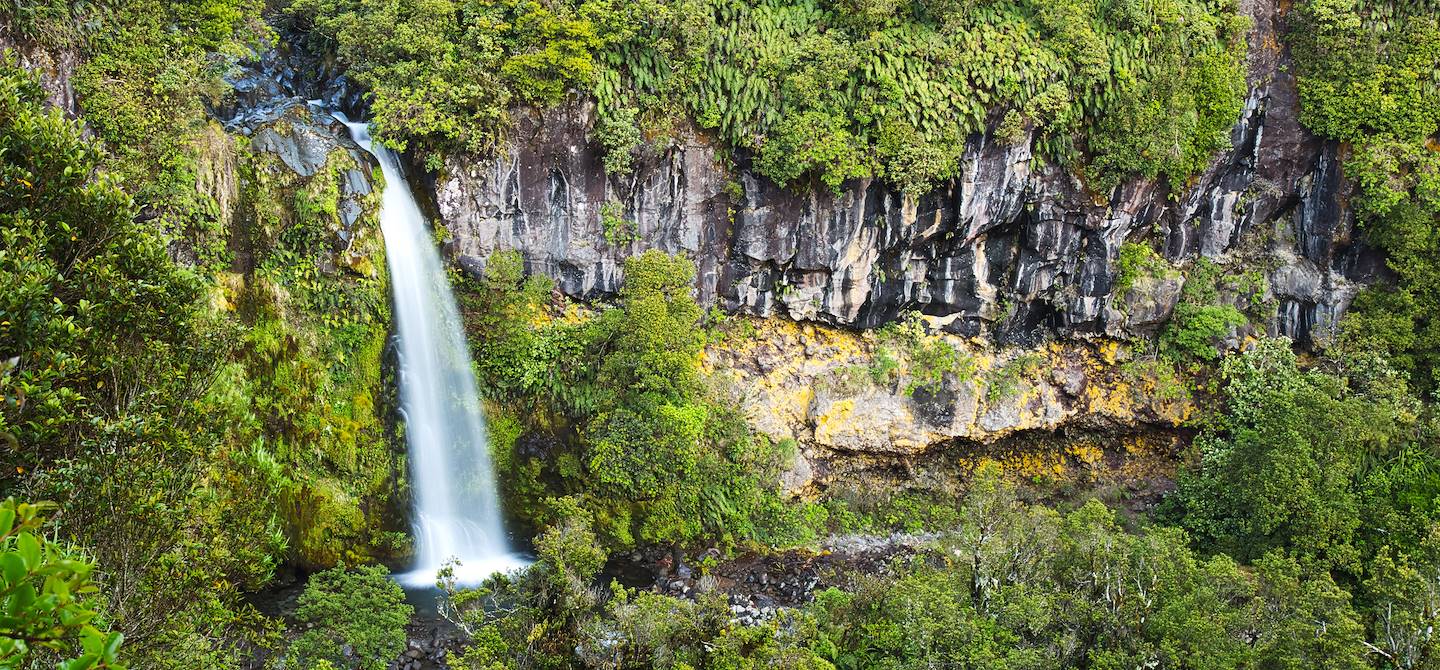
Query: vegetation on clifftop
point(829, 89)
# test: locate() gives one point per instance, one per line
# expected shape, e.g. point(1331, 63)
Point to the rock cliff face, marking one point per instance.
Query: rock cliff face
point(862, 408)
point(56, 68)
point(1012, 249)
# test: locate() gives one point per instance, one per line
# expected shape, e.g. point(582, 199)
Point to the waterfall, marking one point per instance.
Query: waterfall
point(457, 512)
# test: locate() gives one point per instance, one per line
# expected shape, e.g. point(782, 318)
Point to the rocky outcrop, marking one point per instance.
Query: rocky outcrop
point(299, 204)
point(286, 102)
point(860, 403)
point(1013, 249)
point(55, 68)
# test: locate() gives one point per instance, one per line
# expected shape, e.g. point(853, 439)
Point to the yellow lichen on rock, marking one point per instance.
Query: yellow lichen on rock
point(835, 418)
point(856, 395)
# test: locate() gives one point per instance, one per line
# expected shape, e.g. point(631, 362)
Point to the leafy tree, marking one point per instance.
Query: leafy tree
point(1017, 586)
point(655, 338)
point(640, 441)
point(442, 74)
point(107, 390)
point(1281, 466)
point(1303, 619)
point(1404, 590)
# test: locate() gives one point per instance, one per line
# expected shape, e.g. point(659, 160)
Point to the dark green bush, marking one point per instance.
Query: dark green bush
point(355, 618)
point(652, 453)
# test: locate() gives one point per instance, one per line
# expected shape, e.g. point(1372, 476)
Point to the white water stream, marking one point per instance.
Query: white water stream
point(457, 513)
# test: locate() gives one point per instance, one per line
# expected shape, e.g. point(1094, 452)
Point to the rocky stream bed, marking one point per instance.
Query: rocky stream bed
point(757, 587)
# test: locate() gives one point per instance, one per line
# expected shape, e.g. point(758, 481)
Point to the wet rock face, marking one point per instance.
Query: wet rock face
point(275, 80)
point(545, 196)
point(1012, 248)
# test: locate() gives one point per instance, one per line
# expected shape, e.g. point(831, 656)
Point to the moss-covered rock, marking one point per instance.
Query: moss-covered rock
point(307, 280)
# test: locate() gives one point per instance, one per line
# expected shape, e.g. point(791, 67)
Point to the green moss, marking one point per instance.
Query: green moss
point(328, 524)
point(317, 326)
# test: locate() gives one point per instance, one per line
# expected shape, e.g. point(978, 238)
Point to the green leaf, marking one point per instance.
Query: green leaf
point(29, 549)
point(13, 568)
point(111, 650)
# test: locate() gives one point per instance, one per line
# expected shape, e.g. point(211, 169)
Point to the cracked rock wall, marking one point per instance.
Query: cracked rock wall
point(1012, 249)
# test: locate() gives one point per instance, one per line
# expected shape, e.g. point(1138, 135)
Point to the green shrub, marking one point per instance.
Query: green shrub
point(618, 230)
point(1202, 318)
point(1136, 260)
point(1004, 381)
point(51, 598)
point(619, 136)
point(884, 367)
point(1195, 331)
point(925, 359)
point(359, 611)
point(932, 360)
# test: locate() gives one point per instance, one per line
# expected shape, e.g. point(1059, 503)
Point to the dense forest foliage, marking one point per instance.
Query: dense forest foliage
point(832, 90)
point(201, 409)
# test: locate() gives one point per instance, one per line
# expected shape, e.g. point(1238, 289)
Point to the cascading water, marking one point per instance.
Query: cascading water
point(457, 513)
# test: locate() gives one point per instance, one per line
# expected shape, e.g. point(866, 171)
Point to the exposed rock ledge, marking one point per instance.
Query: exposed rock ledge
point(812, 384)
